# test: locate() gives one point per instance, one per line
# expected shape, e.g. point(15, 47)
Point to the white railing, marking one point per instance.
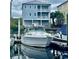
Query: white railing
point(43, 10)
point(43, 17)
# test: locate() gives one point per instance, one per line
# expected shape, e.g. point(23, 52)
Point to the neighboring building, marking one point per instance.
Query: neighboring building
point(63, 8)
point(36, 12)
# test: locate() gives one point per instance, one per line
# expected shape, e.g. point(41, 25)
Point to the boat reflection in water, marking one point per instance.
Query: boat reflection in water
point(36, 53)
point(29, 52)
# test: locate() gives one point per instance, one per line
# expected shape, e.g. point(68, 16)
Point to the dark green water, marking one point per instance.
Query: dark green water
point(35, 53)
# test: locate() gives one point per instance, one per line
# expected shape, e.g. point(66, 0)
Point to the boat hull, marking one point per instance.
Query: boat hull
point(36, 41)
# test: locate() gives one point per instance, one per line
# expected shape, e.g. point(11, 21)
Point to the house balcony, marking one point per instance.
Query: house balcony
point(43, 18)
point(43, 15)
point(43, 10)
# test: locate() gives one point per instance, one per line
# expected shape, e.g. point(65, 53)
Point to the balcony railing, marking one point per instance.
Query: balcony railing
point(44, 10)
point(42, 16)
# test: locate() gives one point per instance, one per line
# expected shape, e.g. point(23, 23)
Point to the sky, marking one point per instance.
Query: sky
point(17, 6)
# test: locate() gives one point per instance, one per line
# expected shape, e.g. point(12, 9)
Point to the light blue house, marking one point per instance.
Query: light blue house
point(36, 12)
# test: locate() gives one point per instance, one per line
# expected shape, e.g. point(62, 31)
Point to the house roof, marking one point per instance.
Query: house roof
point(62, 3)
point(36, 2)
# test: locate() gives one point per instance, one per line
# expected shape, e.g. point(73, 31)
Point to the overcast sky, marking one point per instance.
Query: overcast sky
point(17, 5)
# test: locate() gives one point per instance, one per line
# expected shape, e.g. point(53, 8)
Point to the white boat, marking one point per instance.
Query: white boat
point(60, 36)
point(37, 37)
point(62, 33)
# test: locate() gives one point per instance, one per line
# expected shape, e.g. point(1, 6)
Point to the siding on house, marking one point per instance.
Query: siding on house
point(36, 12)
point(63, 8)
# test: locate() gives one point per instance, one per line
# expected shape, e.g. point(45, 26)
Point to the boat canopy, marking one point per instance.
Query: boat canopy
point(63, 29)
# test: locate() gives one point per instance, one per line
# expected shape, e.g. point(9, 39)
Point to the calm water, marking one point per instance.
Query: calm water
point(31, 52)
point(35, 53)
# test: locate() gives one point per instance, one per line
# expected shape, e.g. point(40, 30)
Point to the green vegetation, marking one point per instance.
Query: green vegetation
point(60, 19)
point(14, 25)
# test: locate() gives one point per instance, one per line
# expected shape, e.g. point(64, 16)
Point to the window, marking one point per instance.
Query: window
point(25, 6)
point(34, 14)
point(38, 6)
point(35, 6)
point(30, 6)
point(30, 14)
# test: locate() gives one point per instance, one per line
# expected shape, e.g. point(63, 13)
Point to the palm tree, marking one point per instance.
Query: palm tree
point(59, 16)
